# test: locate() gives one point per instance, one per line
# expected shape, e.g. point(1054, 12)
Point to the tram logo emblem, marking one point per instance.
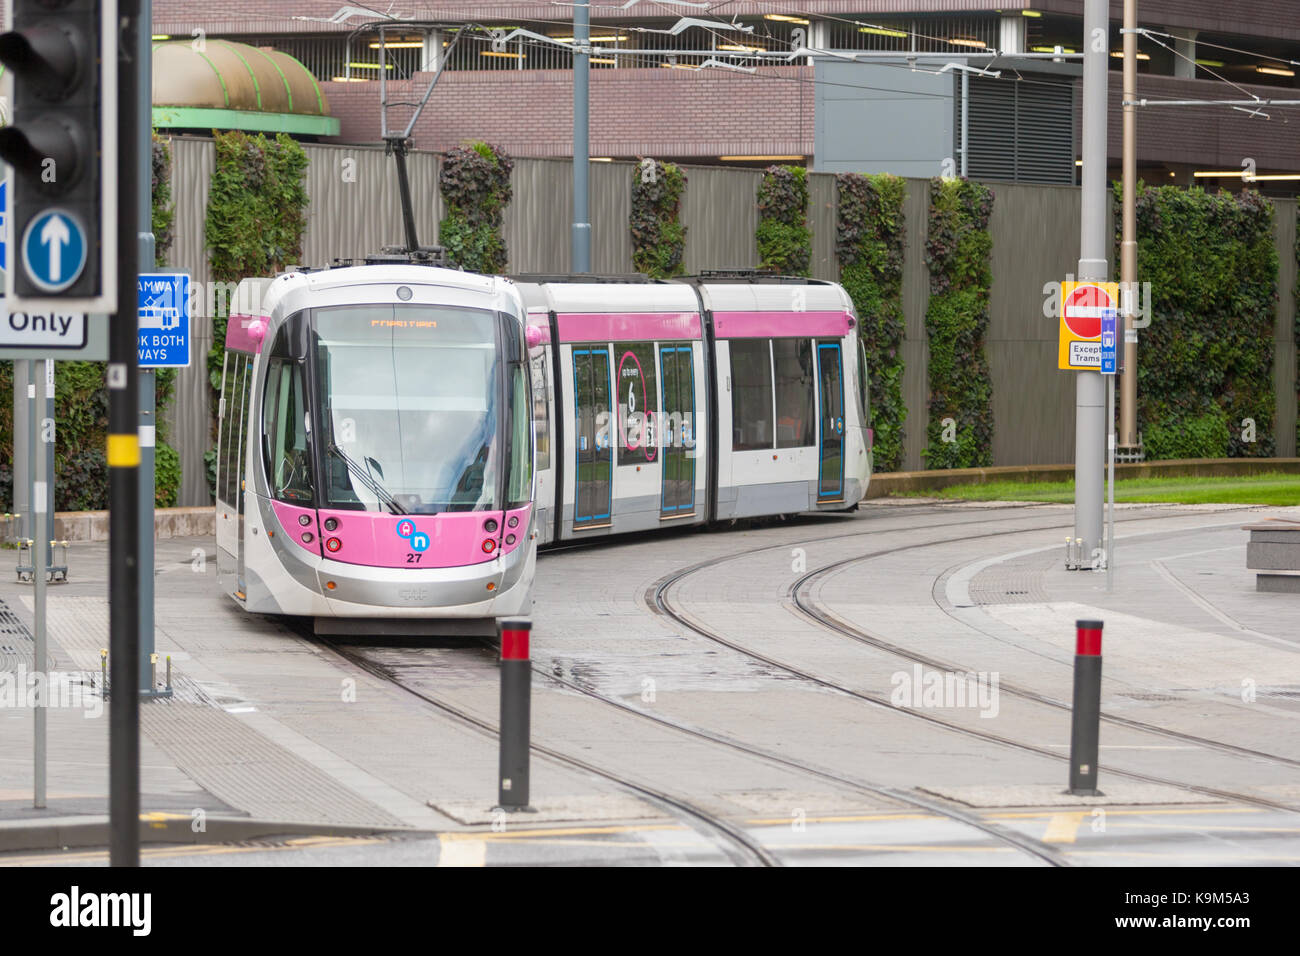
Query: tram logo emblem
point(418, 540)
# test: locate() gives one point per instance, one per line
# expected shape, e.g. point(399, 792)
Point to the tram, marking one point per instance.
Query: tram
point(396, 441)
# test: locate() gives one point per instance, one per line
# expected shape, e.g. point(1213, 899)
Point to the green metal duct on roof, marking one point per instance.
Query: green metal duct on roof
point(224, 85)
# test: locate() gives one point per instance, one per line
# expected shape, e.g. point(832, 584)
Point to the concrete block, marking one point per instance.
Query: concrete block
point(1278, 583)
point(1269, 556)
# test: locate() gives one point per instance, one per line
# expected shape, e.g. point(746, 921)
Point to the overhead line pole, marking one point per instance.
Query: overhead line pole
point(1090, 392)
point(1128, 439)
point(581, 146)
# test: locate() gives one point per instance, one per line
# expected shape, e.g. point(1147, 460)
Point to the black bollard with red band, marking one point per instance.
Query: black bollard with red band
point(516, 705)
point(1085, 728)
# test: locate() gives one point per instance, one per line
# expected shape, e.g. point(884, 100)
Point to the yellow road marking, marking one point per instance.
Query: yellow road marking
point(844, 819)
point(1031, 814)
point(1063, 827)
point(462, 852)
point(1202, 826)
point(565, 831)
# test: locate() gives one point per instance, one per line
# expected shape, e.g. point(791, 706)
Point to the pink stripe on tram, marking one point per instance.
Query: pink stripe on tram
point(776, 325)
point(628, 326)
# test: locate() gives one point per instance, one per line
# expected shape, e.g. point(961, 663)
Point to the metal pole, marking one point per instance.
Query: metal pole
point(1085, 722)
point(39, 552)
point(22, 450)
point(516, 707)
point(1128, 245)
point(47, 447)
point(148, 377)
point(1090, 427)
point(124, 468)
point(965, 120)
point(29, 472)
point(581, 146)
point(1110, 481)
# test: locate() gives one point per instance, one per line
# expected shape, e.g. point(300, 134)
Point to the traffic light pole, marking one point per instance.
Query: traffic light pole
point(148, 425)
point(124, 466)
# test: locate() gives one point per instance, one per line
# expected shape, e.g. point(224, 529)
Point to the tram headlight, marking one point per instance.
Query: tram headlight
point(489, 546)
point(514, 521)
point(331, 524)
point(304, 520)
point(308, 537)
point(333, 544)
point(490, 525)
point(510, 539)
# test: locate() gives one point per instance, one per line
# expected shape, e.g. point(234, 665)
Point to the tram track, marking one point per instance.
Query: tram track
point(741, 846)
point(811, 609)
point(658, 597)
point(735, 843)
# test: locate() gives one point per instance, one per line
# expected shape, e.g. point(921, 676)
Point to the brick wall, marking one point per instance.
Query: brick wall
point(645, 112)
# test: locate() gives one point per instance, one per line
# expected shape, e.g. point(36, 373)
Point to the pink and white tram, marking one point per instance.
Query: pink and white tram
point(375, 450)
point(396, 441)
point(688, 402)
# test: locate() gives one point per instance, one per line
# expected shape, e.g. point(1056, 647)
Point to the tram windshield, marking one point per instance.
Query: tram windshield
point(409, 400)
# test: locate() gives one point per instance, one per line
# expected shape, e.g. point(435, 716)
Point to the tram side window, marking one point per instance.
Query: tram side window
point(751, 394)
point(864, 385)
point(223, 435)
point(795, 415)
point(236, 394)
point(541, 410)
point(290, 463)
point(521, 457)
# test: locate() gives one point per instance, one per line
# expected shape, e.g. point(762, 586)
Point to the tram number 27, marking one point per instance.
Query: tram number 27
point(413, 557)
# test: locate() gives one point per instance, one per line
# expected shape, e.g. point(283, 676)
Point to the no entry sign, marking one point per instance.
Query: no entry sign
point(1083, 306)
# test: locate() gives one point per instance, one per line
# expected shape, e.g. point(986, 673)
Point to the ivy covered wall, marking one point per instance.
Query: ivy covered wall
point(957, 249)
point(475, 183)
point(658, 236)
point(869, 239)
point(784, 240)
point(1205, 382)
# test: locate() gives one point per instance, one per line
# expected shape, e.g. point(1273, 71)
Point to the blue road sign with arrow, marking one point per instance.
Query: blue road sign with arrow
point(54, 250)
point(164, 320)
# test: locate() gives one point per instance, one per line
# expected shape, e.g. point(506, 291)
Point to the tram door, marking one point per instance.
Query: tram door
point(592, 436)
point(678, 430)
point(830, 373)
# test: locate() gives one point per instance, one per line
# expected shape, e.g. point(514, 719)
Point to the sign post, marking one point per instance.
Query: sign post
point(1087, 344)
point(163, 342)
point(1109, 363)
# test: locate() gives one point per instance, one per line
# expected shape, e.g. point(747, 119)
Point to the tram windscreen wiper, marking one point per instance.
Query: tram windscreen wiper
point(368, 481)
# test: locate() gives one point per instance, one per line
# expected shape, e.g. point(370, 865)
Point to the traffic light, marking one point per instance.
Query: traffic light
point(62, 147)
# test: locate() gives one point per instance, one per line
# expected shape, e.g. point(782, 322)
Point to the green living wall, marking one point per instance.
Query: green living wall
point(869, 245)
point(1205, 362)
point(475, 184)
point(783, 237)
point(256, 218)
point(81, 401)
point(658, 237)
point(957, 249)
